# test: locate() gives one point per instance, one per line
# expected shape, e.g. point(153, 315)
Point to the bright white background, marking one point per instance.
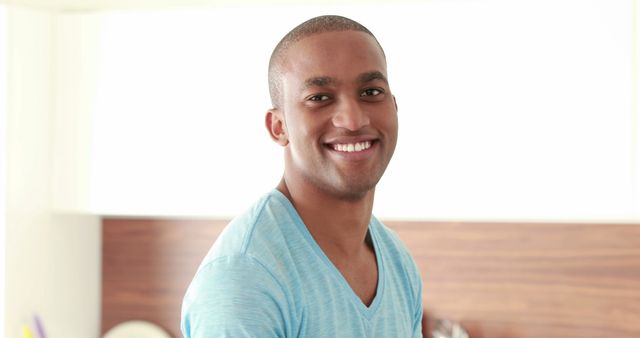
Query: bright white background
point(3, 156)
point(508, 109)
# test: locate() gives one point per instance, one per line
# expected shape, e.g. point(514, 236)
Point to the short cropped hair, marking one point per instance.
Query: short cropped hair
point(320, 24)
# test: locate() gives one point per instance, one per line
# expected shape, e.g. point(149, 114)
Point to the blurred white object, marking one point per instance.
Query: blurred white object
point(443, 328)
point(136, 329)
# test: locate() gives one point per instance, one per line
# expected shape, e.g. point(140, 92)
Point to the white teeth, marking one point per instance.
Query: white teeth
point(351, 147)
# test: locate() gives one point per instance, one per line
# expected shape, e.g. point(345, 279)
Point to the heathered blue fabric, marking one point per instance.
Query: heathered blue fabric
point(265, 276)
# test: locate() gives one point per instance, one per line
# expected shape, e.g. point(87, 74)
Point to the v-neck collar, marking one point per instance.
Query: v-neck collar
point(366, 311)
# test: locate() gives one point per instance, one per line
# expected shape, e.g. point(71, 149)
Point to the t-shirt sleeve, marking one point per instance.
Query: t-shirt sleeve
point(413, 275)
point(234, 296)
point(417, 320)
point(418, 307)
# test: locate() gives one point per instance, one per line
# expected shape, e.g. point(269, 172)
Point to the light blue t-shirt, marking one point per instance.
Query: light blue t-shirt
point(265, 276)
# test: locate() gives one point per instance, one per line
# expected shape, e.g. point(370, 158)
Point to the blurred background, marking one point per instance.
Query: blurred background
point(510, 111)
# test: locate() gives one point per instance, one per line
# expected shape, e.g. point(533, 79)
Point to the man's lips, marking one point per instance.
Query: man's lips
point(351, 143)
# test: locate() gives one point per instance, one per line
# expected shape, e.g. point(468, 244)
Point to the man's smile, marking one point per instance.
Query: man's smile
point(351, 147)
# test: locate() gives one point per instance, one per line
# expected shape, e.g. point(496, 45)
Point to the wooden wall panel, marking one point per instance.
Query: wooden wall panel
point(147, 265)
point(501, 280)
point(530, 280)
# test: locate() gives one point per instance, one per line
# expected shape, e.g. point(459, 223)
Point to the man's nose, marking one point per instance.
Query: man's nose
point(350, 115)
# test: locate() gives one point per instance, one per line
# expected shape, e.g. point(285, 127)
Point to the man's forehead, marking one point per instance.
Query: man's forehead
point(324, 81)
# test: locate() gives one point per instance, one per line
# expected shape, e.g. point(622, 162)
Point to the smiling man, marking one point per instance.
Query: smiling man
point(309, 259)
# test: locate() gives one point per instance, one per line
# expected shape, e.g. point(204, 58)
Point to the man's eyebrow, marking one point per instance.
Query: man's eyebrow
point(320, 81)
point(370, 76)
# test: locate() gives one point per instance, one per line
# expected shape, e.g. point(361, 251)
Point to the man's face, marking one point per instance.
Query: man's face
point(339, 114)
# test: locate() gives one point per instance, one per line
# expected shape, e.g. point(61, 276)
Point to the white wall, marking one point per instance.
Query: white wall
point(28, 224)
point(524, 112)
point(635, 84)
point(3, 154)
point(74, 74)
point(508, 110)
point(53, 259)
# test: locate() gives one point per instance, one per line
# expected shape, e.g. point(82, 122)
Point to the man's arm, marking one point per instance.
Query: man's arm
point(234, 297)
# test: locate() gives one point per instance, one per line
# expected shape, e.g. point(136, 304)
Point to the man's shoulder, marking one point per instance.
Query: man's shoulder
point(386, 234)
point(244, 266)
point(399, 260)
point(391, 243)
point(259, 226)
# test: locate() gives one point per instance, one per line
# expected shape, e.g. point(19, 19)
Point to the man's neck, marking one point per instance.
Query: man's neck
point(339, 226)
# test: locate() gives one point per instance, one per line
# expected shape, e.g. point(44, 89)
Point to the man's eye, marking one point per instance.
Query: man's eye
point(371, 92)
point(319, 98)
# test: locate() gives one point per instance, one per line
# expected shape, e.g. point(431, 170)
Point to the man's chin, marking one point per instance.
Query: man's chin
point(345, 187)
point(354, 191)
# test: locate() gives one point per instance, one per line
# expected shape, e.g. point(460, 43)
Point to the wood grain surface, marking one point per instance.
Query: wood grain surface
point(500, 280)
point(147, 265)
point(530, 280)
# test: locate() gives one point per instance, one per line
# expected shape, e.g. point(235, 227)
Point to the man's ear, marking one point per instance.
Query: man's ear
point(395, 103)
point(274, 121)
